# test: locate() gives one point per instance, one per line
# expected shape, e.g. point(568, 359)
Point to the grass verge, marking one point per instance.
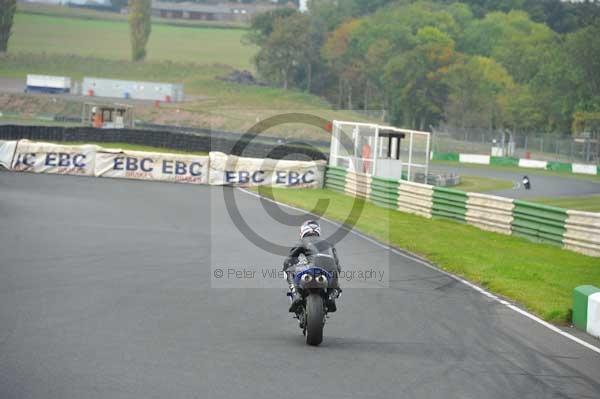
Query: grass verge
point(587, 203)
point(540, 277)
point(477, 184)
point(521, 171)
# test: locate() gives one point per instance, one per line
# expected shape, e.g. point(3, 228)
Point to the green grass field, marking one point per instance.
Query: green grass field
point(588, 203)
point(538, 276)
point(109, 39)
point(84, 13)
point(477, 184)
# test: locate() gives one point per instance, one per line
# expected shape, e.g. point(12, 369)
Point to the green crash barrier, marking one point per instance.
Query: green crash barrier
point(445, 156)
point(559, 166)
point(448, 203)
point(504, 161)
point(384, 192)
point(335, 178)
point(539, 223)
point(581, 295)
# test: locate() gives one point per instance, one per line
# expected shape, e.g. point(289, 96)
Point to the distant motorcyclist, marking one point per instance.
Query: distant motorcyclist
point(526, 183)
point(317, 252)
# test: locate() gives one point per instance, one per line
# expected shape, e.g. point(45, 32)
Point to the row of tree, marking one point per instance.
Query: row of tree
point(484, 64)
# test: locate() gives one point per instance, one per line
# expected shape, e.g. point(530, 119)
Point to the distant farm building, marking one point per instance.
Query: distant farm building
point(212, 12)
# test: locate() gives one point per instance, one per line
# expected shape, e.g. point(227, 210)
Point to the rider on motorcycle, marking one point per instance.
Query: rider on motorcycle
point(317, 252)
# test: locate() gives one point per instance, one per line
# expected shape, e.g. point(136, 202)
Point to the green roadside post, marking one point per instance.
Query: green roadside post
point(580, 305)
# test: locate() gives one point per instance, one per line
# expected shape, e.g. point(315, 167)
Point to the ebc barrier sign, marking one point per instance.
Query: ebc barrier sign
point(248, 172)
point(217, 168)
point(54, 158)
point(7, 151)
point(152, 166)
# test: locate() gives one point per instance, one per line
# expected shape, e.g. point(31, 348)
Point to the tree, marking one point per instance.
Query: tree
point(7, 12)
point(140, 26)
point(262, 24)
point(285, 50)
point(512, 39)
point(414, 79)
point(583, 48)
point(469, 99)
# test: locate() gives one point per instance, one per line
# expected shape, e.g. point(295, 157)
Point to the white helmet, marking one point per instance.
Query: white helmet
point(310, 228)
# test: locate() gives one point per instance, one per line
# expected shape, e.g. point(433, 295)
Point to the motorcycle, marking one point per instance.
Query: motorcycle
point(312, 283)
point(526, 183)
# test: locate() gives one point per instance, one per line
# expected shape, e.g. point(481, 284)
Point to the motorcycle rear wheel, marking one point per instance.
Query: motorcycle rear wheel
point(315, 319)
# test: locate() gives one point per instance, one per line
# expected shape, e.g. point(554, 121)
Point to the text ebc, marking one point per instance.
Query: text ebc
point(290, 178)
point(169, 167)
point(55, 159)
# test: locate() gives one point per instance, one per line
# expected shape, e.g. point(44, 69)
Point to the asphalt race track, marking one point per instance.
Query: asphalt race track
point(542, 185)
point(105, 292)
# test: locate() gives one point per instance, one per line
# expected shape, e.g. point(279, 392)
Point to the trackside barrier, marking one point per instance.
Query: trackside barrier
point(574, 230)
point(522, 163)
point(415, 198)
point(247, 172)
point(559, 167)
point(583, 232)
point(358, 185)
point(35, 157)
point(490, 213)
point(450, 204)
point(445, 156)
point(504, 161)
point(152, 166)
point(539, 223)
point(216, 168)
point(586, 309)
point(7, 151)
point(384, 192)
point(532, 163)
point(474, 158)
point(335, 179)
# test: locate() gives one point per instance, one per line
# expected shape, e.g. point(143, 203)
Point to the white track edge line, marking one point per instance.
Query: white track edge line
point(430, 266)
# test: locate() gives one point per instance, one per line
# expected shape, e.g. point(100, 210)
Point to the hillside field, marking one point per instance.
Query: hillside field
point(195, 56)
point(110, 39)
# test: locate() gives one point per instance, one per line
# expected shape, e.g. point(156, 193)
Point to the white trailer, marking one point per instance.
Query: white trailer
point(48, 84)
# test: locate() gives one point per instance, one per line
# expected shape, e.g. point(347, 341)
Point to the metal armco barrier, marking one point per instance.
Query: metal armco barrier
point(490, 213)
point(335, 179)
point(504, 161)
point(358, 185)
point(384, 192)
point(559, 166)
point(583, 232)
point(539, 223)
point(574, 230)
point(450, 204)
point(415, 198)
